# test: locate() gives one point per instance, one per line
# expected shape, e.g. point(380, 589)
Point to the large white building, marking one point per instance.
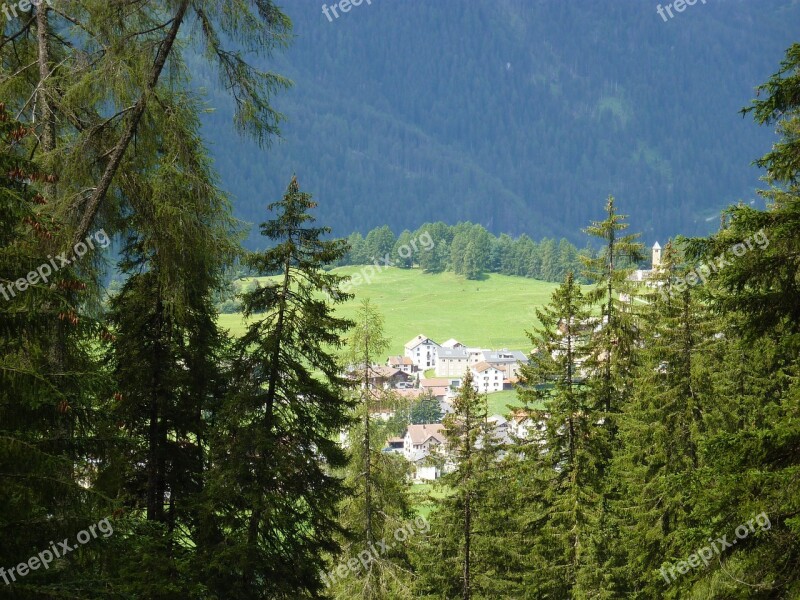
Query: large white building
point(422, 351)
point(487, 378)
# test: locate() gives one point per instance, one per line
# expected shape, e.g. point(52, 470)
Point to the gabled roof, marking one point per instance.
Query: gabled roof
point(420, 339)
point(399, 360)
point(422, 433)
point(386, 372)
point(497, 420)
point(656, 246)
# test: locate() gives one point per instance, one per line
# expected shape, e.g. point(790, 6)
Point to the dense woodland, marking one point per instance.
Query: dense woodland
point(466, 249)
point(252, 468)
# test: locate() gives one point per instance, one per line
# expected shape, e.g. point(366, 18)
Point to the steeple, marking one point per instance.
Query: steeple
point(656, 256)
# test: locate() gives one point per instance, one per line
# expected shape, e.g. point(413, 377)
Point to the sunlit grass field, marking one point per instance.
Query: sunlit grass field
point(492, 313)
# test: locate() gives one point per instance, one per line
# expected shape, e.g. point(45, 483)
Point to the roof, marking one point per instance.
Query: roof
point(451, 343)
point(656, 246)
point(438, 391)
point(454, 353)
point(412, 393)
point(422, 433)
point(387, 372)
point(504, 356)
point(420, 339)
point(436, 382)
point(400, 360)
point(483, 366)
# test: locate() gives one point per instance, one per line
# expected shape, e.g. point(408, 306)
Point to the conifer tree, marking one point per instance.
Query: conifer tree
point(661, 429)
point(449, 565)
point(753, 426)
point(272, 486)
point(566, 463)
point(378, 499)
point(609, 366)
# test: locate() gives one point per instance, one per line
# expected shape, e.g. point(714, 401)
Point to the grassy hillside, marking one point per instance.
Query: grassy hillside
point(494, 313)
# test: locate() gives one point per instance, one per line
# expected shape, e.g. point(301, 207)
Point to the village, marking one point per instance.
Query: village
point(427, 368)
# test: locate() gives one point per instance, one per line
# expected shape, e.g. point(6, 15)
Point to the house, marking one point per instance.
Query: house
point(476, 354)
point(422, 438)
point(386, 377)
point(394, 444)
point(500, 430)
point(452, 343)
point(424, 468)
point(441, 387)
point(422, 351)
point(487, 378)
point(528, 425)
point(401, 363)
point(452, 362)
point(508, 361)
point(411, 395)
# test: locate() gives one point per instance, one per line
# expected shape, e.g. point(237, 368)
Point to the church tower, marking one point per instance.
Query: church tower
point(656, 256)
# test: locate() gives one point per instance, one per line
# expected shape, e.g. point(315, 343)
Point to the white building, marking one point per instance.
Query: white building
point(487, 378)
point(452, 343)
point(422, 351)
point(476, 354)
point(421, 440)
point(401, 363)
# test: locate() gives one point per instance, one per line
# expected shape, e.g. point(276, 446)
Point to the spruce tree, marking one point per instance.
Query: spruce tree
point(450, 564)
point(378, 499)
point(661, 429)
point(272, 488)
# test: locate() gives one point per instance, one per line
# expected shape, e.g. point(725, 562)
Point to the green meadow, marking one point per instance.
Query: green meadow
point(494, 312)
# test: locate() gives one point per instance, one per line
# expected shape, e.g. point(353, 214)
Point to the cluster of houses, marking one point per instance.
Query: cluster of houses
point(425, 446)
point(492, 371)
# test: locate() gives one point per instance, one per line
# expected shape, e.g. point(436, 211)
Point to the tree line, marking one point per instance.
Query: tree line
point(466, 249)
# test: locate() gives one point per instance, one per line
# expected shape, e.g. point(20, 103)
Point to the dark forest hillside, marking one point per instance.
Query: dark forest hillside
point(518, 115)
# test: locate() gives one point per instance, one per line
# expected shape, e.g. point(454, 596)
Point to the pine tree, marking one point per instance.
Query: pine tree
point(609, 366)
point(378, 502)
point(449, 566)
point(661, 430)
point(273, 486)
point(753, 426)
point(48, 432)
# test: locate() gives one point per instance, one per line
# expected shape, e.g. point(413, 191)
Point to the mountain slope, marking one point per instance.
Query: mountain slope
point(521, 115)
